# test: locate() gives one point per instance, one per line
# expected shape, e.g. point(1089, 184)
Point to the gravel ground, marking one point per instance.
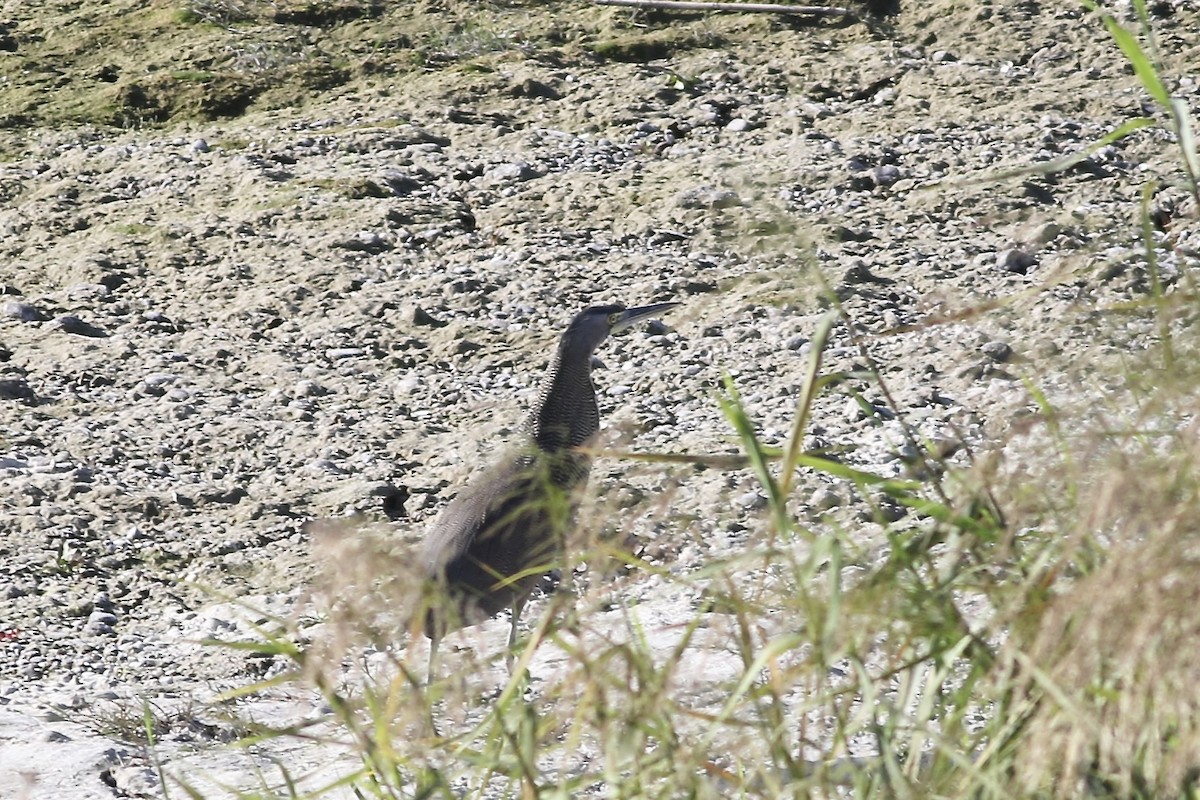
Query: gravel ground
point(213, 332)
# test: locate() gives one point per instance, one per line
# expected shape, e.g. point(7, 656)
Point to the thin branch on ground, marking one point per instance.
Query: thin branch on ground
point(749, 8)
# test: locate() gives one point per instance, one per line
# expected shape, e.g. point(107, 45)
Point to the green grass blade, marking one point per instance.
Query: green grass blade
point(837, 469)
point(1143, 67)
point(735, 412)
point(1162, 315)
point(1066, 162)
point(811, 385)
point(1181, 114)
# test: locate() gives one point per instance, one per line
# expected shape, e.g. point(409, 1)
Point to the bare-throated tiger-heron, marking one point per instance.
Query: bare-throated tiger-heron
point(505, 530)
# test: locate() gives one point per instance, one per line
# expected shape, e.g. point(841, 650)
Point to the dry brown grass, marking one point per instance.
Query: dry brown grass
point(1112, 658)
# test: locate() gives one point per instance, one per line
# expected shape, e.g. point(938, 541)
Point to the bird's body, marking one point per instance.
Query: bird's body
point(506, 528)
point(487, 548)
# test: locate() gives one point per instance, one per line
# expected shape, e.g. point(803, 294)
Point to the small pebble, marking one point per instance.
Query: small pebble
point(853, 410)
point(24, 312)
point(326, 466)
point(752, 500)
point(708, 197)
point(997, 351)
point(824, 499)
point(100, 622)
point(366, 241)
point(1043, 233)
point(814, 110)
point(513, 171)
point(886, 175)
point(69, 323)
point(307, 388)
point(135, 781)
point(73, 702)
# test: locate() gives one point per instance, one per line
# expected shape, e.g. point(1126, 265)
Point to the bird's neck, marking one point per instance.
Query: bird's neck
point(566, 415)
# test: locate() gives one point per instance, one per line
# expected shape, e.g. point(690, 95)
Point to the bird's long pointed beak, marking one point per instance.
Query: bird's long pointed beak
point(632, 316)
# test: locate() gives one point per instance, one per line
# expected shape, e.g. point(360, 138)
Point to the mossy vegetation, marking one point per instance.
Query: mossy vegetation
point(134, 64)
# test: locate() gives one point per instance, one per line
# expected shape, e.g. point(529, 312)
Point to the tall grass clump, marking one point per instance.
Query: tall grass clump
point(1108, 677)
point(1025, 632)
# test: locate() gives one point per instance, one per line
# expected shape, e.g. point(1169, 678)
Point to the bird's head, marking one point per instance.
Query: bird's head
point(594, 324)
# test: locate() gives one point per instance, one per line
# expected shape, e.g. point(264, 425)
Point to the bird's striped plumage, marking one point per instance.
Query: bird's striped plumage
point(506, 528)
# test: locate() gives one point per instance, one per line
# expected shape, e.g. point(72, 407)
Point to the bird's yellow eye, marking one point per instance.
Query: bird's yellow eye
point(613, 319)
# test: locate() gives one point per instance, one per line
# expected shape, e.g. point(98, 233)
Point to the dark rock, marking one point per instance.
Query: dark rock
point(844, 234)
point(13, 388)
point(533, 88)
point(1038, 193)
point(424, 319)
point(1015, 260)
point(857, 273)
point(886, 175)
point(997, 351)
point(656, 327)
point(401, 183)
point(392, 500)
point(69, 323)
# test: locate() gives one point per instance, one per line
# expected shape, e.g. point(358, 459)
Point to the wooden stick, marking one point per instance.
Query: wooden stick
point(697, 5)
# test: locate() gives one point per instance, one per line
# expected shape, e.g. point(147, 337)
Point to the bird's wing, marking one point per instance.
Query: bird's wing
point(502, 498)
